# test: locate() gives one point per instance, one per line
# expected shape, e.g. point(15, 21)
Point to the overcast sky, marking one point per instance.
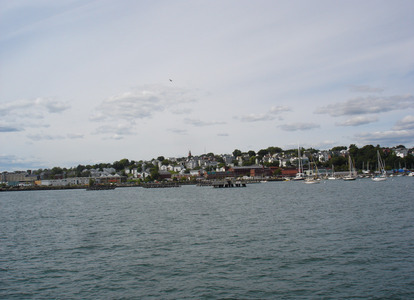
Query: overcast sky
point(84, 82)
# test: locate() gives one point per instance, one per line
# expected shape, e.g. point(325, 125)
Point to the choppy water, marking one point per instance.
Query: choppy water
point(273, 240)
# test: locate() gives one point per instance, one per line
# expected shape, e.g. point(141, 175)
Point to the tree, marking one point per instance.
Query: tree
point(237, 153)
point(120, 165)
point(250, 161)
point(338, 148)
point(154, 173)
point(353, 150)
point(262, 152)
point(251, 153)
point(273, 150)
point(277, 172)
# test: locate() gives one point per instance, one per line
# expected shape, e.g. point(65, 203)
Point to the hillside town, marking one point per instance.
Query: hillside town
point(271, 163)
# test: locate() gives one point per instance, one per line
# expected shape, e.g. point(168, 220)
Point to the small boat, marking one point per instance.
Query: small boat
point(299, 174)
point(382, 176)
point(313, 177)
point(332, 177)
point(352, 172)
point(311, 181)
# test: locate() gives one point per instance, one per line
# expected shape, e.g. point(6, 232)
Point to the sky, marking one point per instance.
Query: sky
point(86, 82)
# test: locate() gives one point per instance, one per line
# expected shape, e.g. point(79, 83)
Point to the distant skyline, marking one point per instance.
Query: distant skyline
point(84, 82)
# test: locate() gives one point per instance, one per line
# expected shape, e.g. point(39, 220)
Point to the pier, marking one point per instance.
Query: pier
point(228, 184)
point(160, 185)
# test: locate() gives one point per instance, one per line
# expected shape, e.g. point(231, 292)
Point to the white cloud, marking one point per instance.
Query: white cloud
point(386, 138)
point(367, 105)
point(51, 105)
point(178, 131)
point(113, 131)
point(75, 136)
point(15, 162)
point(298, 126)
point(142, 103)
point(279, 109)
point(405, 124)
point(272, 114)
point(45, 137)
point(200, 123)
point(357, 121)
point(6, 128)
point(256, 117)
point(36, 108)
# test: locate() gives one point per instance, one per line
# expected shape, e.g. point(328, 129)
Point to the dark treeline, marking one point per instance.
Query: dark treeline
point(363, 158)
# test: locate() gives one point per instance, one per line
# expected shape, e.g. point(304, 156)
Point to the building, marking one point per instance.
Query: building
point(251, 171)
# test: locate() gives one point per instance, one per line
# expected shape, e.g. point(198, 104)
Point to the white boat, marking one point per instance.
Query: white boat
point(381, 171)
point(299, 174)
point(313, 176)
point(367, 171)
point(332, 177)
point(352, 172)
point(311, 181)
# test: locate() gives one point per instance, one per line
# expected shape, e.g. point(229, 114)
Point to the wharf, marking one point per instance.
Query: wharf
point(40, 188)
point(228, 184)
point(160, 185)
point(101, 187)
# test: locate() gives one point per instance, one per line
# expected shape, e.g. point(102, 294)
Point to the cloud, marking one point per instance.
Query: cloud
point(279, 109)
point(48, 137)
point(387, 138)
point(178, 131)
point(223, 134)
point(25, 114)
point(116, 132)
point(14, 162)
point(52, 106)
point(33, 108)
point(181, 111)
point(200, 123)
point(367, 105)
point(365, 89)
point(357, 121)
point(142, 103)
point(405, 124)
point(4, 128)
point(268, 116)
point(298, 126)
point(256, 117)
point(75, 136)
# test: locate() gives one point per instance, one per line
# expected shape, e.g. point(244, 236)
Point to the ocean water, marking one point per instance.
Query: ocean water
point(275, 240)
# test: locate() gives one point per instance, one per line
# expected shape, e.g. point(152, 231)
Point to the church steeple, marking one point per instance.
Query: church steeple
point(189, 154)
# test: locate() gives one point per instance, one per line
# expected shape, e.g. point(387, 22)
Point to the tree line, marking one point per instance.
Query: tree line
point(363, 158)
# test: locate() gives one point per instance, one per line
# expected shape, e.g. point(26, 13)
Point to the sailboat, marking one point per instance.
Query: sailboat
point(382, 175)
point(299, 174)
point(351, 175)
point(367, 171)
point(332, 177)
point(312, 177)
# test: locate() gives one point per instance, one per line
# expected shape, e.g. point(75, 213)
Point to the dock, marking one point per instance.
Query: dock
point(228, 184)
point(160, 185)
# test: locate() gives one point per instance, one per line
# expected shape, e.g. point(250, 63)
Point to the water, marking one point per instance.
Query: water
point(283, 240)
